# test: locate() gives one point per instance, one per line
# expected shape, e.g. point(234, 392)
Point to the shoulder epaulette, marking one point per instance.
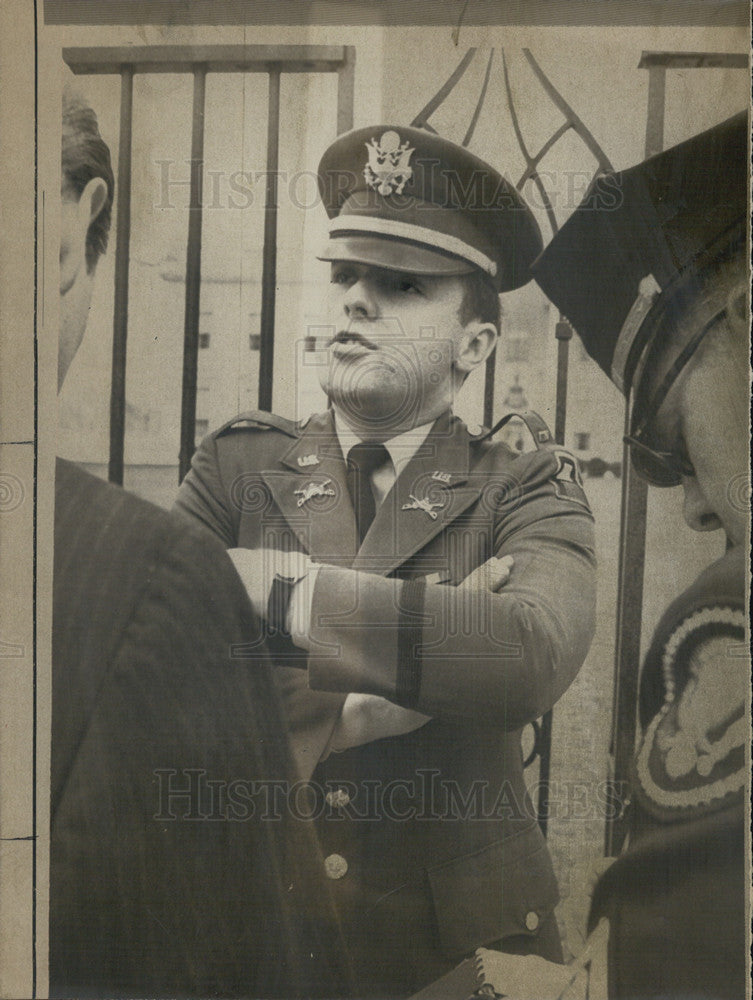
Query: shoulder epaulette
point(259, 420)
point(542, 436)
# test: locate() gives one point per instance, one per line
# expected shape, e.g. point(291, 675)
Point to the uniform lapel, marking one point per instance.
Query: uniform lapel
point(438, 475)
point(324, 521)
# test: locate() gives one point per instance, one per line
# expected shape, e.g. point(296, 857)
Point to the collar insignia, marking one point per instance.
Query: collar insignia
point(306, 460)
point(423, 504)
point(311, 490)
point(441, 477)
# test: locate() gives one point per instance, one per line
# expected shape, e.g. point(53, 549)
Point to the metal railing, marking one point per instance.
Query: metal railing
point(199, 61)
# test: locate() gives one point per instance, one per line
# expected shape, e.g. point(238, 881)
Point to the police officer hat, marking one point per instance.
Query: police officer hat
point(635, 251)
point(407, 199)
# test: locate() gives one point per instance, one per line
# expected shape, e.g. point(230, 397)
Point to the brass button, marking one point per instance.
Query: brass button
point(339, 798)
point(532, 920)
point(335, 866)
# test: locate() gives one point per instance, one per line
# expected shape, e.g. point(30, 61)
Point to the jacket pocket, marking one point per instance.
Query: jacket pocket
point(503, 889)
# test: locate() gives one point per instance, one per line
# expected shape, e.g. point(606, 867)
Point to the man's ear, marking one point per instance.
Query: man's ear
point(76, 218)
point(476, 344)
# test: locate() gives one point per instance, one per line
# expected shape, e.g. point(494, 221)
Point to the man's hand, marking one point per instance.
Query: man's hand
point(491, 575)
point(367, 717)
point(257, 569)
point(526, 977)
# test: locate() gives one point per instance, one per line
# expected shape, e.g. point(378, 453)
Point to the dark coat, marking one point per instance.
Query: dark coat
point(677, 898)
point(154, 892)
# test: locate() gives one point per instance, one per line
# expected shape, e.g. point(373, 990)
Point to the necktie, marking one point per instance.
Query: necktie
point(363, 460)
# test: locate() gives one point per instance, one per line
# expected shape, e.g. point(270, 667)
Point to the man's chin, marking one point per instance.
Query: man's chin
point(370, 407)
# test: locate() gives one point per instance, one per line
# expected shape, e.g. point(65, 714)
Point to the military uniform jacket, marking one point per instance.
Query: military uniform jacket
point(676, 899)
point(441, 811)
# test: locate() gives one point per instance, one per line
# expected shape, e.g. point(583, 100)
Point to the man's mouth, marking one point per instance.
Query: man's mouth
point(349, 343)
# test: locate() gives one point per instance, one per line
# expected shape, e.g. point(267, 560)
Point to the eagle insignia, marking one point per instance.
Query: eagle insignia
point(388, 168)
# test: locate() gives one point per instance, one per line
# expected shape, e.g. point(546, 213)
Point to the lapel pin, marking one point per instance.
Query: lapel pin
point(424, 504)
point(312, 490)
point(306, 460)
point(442, 477)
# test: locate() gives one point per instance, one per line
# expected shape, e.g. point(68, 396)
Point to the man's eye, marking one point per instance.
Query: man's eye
point(341, 278)
point(407, 286)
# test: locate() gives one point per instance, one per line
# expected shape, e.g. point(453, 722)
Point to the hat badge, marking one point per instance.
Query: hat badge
point(388, 167)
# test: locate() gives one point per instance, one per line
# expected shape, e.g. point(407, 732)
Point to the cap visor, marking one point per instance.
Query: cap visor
point(394, 255)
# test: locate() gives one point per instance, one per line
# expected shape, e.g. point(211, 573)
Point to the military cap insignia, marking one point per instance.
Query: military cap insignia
point(388, 167)
point(423, 504)
point(693, 752)
point(311, 490)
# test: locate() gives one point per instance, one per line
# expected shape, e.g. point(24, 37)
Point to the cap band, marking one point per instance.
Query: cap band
point(418, 234)
point(648, 289)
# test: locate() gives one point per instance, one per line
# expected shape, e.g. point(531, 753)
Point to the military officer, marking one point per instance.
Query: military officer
point(353, 531)
point(673, 334)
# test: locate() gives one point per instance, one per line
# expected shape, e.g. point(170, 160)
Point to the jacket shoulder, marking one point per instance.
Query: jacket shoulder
point(535, 424)
point(258, 421)
point(548, 466)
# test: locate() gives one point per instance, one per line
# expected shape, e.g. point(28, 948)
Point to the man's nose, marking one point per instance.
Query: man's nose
point(699, 514)
point(360, 301)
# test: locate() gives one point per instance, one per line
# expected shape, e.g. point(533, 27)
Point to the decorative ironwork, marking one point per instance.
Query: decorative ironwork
point(542, 728)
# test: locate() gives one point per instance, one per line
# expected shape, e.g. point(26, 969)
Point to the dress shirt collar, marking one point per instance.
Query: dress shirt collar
point(400, 448)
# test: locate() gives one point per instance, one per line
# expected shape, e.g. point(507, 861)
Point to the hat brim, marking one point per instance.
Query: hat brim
point(394, 255)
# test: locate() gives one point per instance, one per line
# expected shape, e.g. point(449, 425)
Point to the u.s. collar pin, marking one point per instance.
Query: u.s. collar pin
point(441, 477)
point(306, 460)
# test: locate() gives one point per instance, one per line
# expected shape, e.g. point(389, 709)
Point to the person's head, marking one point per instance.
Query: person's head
point(423, 238)
point(86, 194)
point(691, 400)
point(403, 345)
point(655, 280)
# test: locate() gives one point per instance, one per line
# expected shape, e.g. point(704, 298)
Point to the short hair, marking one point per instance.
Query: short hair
point(85, 155)
point(480, 300)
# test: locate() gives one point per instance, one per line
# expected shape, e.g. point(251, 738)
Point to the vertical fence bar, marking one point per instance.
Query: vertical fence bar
point(269, 253)
point(490, 373)
point(657, 85)
point(628, 641)
point(631, 563)
point(346, 82)
point(563, 333)
point(120, 310)
point(193, 276)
